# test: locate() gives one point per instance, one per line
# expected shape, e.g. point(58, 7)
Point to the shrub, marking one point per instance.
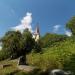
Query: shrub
point(4, 54)
point(70, 64)
point(55, 57)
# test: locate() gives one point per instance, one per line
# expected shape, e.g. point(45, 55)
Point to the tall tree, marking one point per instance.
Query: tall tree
point(27, 41)
point(38, 46)
point(71, 25)
point(27, 44)
point(11, 42)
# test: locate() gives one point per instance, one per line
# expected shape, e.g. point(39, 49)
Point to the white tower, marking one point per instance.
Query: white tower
point(36, 34)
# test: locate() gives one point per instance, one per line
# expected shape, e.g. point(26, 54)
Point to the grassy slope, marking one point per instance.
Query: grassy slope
point(54, 57)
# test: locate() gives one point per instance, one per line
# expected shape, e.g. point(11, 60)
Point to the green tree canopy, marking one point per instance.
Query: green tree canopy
point(71, 25)
point(51, 39)
point(11, 42)
point(27, 41)
point(19, 44)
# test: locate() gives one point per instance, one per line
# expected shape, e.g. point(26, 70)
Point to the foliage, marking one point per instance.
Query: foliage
point(4, 54)
point(18, 44)
point(60, 56)
point(38, 46)
point(11, 42)
point(27, 41)
point(52, 39)
point(71, 25)
point(70, 64)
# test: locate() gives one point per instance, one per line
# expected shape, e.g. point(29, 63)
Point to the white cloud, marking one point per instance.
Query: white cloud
point(25, 23)
point(56, 28)
point(19, 27)
point(68, 33)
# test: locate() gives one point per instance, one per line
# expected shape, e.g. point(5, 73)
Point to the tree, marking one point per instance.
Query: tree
point(27, 41)
point(71, 25)
point(11, 42)
point(27, 44)
point(38, 46)
point(52, 39)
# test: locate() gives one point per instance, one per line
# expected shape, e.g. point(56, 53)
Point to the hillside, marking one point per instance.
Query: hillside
point(57, 56)
point(50, 39)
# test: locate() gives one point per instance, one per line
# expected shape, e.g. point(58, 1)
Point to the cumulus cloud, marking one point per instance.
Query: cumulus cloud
point(25, 23)
point(68, 33)
point(56, 28)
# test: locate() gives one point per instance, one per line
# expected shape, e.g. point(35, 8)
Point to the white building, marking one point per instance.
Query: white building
point(36, 34)
point(0, 46)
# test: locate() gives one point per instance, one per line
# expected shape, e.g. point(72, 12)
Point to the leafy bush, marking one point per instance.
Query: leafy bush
point(4, 54)
point(70, 64)
point(60, 56)
point(52, 39)
point(38, 46)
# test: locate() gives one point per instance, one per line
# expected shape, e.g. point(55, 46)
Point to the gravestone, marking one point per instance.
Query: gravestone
point(22, 60)
point(57, 72)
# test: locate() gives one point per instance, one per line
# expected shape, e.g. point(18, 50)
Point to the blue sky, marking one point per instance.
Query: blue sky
point(52, 15)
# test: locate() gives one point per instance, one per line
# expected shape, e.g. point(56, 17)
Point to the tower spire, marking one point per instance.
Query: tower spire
point(37, 33)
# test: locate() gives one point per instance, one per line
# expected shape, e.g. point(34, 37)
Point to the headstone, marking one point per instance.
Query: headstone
point(57, 72)
point(22, 60)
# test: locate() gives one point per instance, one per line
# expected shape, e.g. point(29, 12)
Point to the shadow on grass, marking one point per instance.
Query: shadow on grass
point(35, 72)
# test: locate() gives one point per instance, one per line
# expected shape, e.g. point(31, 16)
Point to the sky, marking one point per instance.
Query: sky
point(51, 15)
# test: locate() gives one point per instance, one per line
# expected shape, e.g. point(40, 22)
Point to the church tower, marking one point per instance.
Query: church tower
point(36, 34)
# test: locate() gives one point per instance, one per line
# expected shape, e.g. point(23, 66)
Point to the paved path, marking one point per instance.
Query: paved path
point(26, 68)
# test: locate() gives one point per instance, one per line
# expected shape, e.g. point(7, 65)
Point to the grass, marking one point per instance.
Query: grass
point(56, 56)
point(8, 69)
